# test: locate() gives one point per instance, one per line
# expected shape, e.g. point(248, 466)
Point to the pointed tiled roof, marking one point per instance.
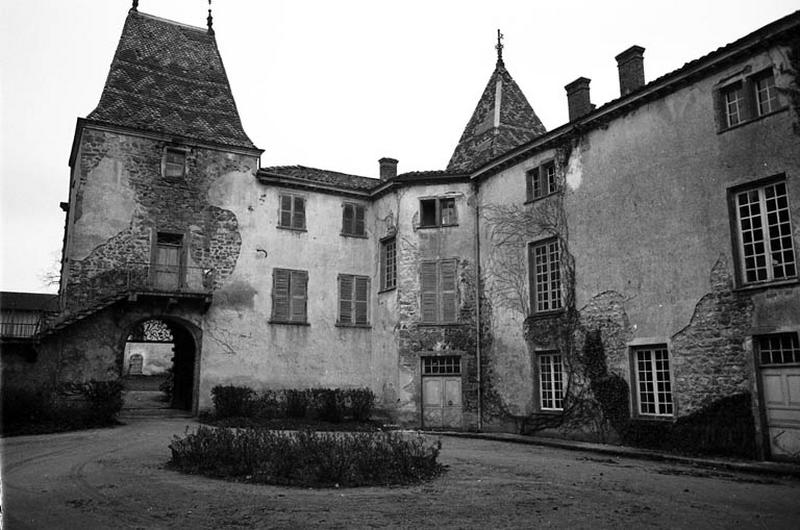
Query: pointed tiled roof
point(167, 77)
point(490, 133)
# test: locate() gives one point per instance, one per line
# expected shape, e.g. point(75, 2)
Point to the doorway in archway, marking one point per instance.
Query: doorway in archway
point(158, 366)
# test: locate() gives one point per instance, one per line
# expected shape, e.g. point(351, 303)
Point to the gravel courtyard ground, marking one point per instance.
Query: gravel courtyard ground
point(115, 478)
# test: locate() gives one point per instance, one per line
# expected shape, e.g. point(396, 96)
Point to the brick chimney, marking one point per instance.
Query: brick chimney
point(631, 70)
point(388, 168)
point(578, 98)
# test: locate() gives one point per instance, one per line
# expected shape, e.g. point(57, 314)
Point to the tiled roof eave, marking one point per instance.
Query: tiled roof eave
point(655, 89)
point(287, 181)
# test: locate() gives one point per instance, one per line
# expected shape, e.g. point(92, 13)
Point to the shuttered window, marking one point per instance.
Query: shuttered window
point(353, 220)
point(293, 212)
point(439, 291)
point(289, 296)
point(353, 300)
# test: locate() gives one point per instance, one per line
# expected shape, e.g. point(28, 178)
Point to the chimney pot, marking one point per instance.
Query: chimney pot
point(388, 168)
point(578, 99)
point(630, 64)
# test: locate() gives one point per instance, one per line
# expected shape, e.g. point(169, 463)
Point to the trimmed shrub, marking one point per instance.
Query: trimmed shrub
point(360, 402)
point(269, 405)
point(232, 401)
point(296, 403)
point(104, 399)
point(306, 458)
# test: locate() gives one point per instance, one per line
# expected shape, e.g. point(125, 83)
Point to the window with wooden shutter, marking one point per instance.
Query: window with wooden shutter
point(289, 296)
point(353, 220)
point(353, 300)
point(292, 212)
point(439, 292)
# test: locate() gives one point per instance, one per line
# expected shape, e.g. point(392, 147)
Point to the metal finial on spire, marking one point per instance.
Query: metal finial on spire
point(210, 20)
point(135, 6)
point(499, 48)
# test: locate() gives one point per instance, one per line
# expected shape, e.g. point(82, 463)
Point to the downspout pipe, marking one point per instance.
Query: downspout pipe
point(478, 303)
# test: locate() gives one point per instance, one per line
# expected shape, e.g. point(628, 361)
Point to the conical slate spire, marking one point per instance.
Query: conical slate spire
point(502, 120)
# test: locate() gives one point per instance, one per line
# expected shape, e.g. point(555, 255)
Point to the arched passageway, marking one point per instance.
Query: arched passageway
point(158, 365)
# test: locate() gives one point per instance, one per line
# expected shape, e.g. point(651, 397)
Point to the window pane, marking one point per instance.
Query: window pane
point(653, 381)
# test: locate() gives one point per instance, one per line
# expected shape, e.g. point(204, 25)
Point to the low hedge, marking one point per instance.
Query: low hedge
point(71, 406)
point(322, 404)
point(306, 458)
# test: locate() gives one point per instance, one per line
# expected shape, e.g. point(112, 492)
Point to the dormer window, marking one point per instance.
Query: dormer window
point(174, 165)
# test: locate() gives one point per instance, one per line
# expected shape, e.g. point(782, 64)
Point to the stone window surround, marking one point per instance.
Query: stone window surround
point(385, 286)
point(355, 207)
point(749, 104)
point(538, 355)
point(353, 301)
point(733, 216)
point(174, 149)
point(438, 221)
point(532, 286)
point(540, 171)
point(650, 344)
point(292, 211)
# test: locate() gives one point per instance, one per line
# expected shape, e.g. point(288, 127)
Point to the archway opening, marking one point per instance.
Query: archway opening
point(158, 366)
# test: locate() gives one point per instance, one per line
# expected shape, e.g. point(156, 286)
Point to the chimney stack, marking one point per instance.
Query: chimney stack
point(631, 70)
point(578, 98)
point(388, 168)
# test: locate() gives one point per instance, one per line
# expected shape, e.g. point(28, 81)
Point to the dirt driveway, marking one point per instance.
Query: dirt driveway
point(115, 478)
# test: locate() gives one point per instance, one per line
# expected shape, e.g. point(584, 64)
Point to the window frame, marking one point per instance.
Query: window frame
point(438, 212)
point(558, 394)
point(295, 275)
point(636, 389)
point(738, 237)
point(794, 347)
point(533, 283)
point(439, 297)
point(542, 179)
point(749, 102)
point(165, 162)
point(292, 211)
point(388, 282)
point(445, 365)
point(353, 301)
point(355, 208)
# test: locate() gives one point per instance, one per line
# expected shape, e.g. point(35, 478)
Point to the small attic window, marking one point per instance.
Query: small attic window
point(174, 164)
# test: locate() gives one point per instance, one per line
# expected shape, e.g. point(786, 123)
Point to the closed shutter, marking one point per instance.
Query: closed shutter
point(361, 302)
point(447, 286)
point(346, 299)
point(347, 219)
point(429, 307)
point(286, 211)
point(529, 185)
point(299, 285)
point(358, 228)
point(299, 219)
point(280, 294)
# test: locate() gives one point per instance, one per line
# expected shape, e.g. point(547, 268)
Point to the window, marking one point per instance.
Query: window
point(353, 220)
point(289, 296)
point(766, 247)
point(551, 381)
point(733, 101)
point(654, 389)
point(766, 94)
point(545, 276)
point(780, 348)
point(174, 165)
point(442, 365)
point(353, 300)
point(438, 292)
point(747, 99)
point(437, 212)
point(388, 264)
point(293, 212)
point(541, 181)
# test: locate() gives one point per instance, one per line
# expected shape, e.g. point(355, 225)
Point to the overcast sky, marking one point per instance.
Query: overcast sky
point(330, 84)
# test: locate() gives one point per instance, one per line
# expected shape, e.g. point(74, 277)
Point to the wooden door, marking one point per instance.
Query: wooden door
point(167, 266)
point(781, 386)
point(441, 402)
